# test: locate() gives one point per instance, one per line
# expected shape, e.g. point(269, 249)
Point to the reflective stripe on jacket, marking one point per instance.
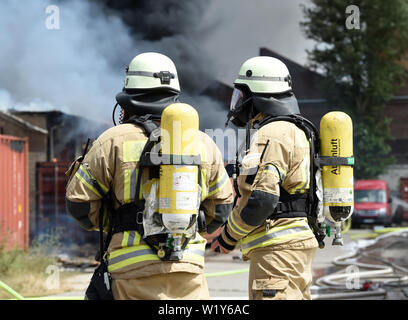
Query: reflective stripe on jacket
point(278, 234)
point(113, 162)
point(285, 164)
point(138, 252)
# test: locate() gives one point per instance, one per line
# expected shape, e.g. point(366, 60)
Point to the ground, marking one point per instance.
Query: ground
point(227, 275)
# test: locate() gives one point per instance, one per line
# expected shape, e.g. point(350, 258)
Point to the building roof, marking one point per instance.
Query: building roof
point(306, 84)
point(22, 123)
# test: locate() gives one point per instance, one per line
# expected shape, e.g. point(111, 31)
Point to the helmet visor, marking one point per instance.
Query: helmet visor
point(236, 99)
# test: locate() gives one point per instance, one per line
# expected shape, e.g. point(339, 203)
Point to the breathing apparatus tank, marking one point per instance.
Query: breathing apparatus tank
point(336, 150)
point(179, 190)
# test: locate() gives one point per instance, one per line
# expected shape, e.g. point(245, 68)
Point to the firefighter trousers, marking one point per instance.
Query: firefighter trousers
point(163, 286)
point(281, 274)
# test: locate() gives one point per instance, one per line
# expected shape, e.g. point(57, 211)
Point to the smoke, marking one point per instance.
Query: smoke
point(68, 69)
point(173, 28)
point(80, 67)
point(249, 25)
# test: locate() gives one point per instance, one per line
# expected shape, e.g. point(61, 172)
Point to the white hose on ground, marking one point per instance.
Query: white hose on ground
point(349, 295)
point(331, 280)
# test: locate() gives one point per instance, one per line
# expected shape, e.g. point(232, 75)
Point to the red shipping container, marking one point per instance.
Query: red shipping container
point(14, 192)
point(404, 197)
point(51, 183)
point(51, 209)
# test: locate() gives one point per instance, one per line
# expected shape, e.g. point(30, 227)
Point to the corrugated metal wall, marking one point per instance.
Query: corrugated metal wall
point(51, 209)
point(14, 191)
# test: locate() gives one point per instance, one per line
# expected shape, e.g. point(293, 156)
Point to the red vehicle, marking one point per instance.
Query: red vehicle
point(372, 203)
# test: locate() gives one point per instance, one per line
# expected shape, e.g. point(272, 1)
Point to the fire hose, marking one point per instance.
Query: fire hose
point(383, 274)
point(327, 282)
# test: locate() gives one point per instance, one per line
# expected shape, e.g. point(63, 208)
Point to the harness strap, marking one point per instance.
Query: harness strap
point(128, 217)
point(144, 121)
point(334, 161)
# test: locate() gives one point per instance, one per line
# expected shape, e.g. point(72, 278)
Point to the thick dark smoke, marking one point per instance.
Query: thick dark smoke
point(80, 67)
point(155, 20)
point(74, 69)
point(172, 28)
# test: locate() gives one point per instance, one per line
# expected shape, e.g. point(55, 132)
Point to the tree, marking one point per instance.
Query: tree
point(360, 49)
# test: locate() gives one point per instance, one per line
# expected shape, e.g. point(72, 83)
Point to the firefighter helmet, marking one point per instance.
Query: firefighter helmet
point(263, 85)
point(151, 84)
point(151, 70)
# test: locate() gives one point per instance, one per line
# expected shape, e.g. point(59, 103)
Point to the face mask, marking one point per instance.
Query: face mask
point(239, 113)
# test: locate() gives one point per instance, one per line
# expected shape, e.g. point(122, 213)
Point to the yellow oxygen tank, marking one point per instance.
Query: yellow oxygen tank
point(179, 186)
point(336, 140)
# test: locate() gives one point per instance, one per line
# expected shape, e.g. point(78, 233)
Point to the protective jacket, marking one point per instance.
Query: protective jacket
point(273, 183)
point(112, 163)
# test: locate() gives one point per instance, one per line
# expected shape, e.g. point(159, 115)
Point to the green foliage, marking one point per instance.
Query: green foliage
point(15, 260)
point(371, 148)
point(362, 68)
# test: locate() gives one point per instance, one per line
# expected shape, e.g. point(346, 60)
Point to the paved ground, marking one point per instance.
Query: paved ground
point(228, 276)
point(235, 286)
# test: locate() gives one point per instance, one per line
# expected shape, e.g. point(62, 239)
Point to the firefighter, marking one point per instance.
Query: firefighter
point(270, 223)
point(111, 168)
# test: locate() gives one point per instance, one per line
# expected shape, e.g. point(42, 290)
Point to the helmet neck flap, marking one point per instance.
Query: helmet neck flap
point(146, 102)
point(274, 106)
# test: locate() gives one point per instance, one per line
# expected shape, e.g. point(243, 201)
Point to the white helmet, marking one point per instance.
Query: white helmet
point(263, 85)
point(151, 84)
point(151, 70)
point(265, 75)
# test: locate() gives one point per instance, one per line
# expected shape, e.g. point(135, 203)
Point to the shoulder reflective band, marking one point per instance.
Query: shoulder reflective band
point(334, 161)
point(86, 178)
point(274, 169)
point(218, 184)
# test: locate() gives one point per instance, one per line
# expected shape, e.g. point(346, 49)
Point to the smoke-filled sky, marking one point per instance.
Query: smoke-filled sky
point(245, 26)
point(80, 67)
